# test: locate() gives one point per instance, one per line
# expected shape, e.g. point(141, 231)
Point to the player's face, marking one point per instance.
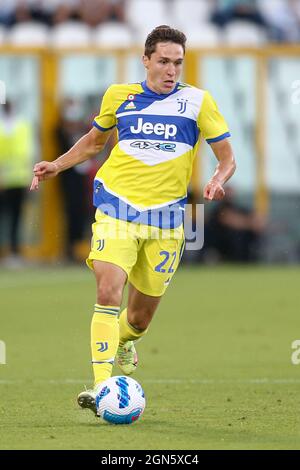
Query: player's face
point(164, 67)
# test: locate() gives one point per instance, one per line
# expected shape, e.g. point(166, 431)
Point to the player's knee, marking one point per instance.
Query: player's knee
point(140, 325)
point(109, 294)
point(139, 320)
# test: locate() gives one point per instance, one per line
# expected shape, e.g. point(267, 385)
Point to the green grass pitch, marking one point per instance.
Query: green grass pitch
point(216, 365)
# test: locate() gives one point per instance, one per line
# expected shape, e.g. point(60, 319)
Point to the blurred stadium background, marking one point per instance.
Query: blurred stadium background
point(57, 57)
point(56, 60)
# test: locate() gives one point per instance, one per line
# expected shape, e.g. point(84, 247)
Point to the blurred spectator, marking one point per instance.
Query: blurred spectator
point(92, 12)
point(7, 12)
point(232, 232)
point(281, 19)
point(44, 11)
point(16, 155)
point(95, 12)
point(77, 182)
point(65, 11)
point(23, 11)
point(73, 181)
point(284, 20)
point(295, 29)
point(229, 10)
point(117, 10)
point(96, 163)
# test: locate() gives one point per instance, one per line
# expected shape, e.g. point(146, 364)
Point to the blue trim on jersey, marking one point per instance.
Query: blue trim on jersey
point(144, 99)
point(158, 96)
point(103, 129)
point(220, 137)
point(140, 102)
point(187, 130)
point(169, 216)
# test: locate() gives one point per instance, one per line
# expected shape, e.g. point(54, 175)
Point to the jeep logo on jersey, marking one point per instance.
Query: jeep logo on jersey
point(167, 130)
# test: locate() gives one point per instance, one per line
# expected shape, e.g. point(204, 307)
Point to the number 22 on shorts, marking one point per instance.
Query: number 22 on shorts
point(161, 267)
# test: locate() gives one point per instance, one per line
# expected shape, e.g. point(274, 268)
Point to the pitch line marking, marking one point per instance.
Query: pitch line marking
point(260, 381)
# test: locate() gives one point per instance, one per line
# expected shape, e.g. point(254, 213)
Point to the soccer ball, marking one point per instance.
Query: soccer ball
point(120, 400)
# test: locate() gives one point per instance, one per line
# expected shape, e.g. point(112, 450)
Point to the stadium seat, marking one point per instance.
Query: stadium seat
point(116, 35)
point(189, 13)
point(2, 34)
point(204, 35)
point(144, 15)
point(29, 34)
point(242, 33)
point(71, 34)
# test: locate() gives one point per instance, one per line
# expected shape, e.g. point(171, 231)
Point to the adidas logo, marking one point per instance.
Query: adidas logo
point(130, 105)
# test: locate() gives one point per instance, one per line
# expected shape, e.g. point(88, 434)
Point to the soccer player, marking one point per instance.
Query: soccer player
point(140, 193)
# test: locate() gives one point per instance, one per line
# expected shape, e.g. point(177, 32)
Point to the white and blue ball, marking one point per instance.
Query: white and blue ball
point(120, 400)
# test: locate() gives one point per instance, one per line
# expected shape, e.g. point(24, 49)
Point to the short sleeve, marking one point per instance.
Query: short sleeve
point(106, 119)
point(210, 121)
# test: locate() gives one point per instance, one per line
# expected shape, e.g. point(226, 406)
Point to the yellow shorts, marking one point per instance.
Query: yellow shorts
point(148, 255)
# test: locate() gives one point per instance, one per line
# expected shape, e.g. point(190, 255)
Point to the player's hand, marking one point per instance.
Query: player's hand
point(213, 191)
point(43, 171)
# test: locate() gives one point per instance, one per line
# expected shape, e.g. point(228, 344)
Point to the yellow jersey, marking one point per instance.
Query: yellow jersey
point(146, 176)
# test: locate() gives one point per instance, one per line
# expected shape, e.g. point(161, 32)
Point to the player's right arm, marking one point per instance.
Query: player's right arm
point(87, 147)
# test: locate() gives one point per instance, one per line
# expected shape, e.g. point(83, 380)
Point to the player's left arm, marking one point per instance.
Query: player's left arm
point(214, 190)
point(215, 131)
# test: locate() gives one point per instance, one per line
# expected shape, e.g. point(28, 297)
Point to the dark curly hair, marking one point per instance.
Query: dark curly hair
point(163, 33)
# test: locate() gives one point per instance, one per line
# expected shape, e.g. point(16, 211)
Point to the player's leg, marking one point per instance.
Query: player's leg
point(134, 321)
point(112, 255)
point(141, 308)
point(157, 261)
point(110, 282)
